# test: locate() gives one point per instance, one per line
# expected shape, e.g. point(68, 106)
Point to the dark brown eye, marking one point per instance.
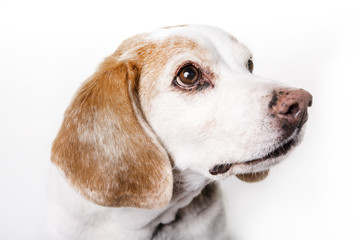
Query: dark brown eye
point(250, 65)
point(189, 75)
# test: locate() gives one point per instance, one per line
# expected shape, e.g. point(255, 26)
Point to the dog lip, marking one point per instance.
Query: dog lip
point(220, 168)
point(279, 151)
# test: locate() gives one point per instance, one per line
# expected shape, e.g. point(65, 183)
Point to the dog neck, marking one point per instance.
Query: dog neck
point(187, 185)
point(69, 213)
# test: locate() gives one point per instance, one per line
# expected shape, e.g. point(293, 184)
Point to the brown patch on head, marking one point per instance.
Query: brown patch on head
point(152, 56)
point(103, 148)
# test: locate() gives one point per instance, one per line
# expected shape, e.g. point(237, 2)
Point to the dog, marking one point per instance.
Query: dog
point(146, 138)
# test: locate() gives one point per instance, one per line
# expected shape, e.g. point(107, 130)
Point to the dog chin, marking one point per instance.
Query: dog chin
point(258, 168)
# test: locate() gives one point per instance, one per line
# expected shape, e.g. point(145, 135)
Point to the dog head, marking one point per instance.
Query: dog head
point(180, 97)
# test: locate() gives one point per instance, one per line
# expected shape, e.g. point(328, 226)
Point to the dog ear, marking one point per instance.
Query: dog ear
point(105, 148)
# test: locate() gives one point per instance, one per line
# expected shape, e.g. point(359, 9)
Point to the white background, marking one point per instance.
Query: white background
point(48, 48)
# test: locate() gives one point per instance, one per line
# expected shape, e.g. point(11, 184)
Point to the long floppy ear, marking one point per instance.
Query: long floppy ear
point(106, 149)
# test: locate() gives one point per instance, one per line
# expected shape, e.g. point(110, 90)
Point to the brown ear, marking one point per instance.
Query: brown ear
point(106, 149)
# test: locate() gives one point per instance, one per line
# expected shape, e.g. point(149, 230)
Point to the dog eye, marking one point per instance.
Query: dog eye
point(250, 65)
point(189, 75)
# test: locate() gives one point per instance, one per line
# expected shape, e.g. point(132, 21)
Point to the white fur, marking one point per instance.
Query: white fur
point(236, 108)
point(69, 216)
point(227, 123)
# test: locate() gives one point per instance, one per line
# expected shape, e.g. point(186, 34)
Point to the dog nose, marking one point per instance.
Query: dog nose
point(290, 107)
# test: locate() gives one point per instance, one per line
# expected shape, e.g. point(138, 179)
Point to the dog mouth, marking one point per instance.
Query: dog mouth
point(279, 151)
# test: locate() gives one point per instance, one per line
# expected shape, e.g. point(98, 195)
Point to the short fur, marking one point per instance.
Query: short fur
point(138, 152)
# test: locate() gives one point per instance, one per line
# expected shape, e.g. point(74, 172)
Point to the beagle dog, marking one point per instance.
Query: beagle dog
point(162, 119)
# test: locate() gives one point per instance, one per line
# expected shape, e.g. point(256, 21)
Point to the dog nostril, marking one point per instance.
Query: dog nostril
point(310, 103)
point(293, 110)
point(286, 110)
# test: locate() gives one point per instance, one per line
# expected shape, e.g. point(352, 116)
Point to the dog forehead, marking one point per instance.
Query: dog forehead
point(151, 48)
point(208, 37)
point(163, 44)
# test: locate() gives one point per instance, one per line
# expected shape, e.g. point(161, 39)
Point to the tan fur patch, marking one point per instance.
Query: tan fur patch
point(103, 149)
point(152, 56)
